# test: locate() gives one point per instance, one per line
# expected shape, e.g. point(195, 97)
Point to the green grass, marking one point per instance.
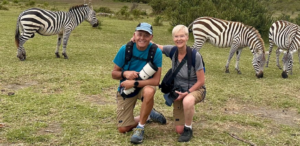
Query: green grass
point(72, 102)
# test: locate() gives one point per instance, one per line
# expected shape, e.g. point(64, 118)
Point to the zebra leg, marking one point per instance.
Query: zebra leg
point(299, 55)
point(65, 42)
point(270, 50)
point(231, 53)
point(21, 50)
point(58, 45)
point(238, 55)
point(277, 58)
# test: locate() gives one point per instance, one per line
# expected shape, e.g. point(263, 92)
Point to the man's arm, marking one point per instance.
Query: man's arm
point(117, 74)
point(152, 81)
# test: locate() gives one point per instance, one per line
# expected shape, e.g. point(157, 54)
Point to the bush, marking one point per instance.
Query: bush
point(158, 21)
point(3, 7)
point(123, 13)
point(4, 2)
point(251, 12)
point(104, 10)
point(16, 1)
point(30, 3)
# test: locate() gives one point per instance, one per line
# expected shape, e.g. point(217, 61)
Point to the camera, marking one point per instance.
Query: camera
point(170, 97)
point(148, 70)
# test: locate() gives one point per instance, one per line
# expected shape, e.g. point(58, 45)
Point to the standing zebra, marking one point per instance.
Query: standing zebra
point(286, 36)
point(49, 23)
point(236, 35)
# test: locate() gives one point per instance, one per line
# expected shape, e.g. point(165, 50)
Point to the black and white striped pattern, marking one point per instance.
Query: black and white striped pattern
point(48, 23)
point(286, 36)
point(236, 35)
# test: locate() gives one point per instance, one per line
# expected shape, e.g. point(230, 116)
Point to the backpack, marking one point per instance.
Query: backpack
point(191, 60)
point(129, 55)
point(167, 84)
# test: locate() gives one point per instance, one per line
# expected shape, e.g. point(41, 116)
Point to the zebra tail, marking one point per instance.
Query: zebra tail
point(190, 27)
point(17, 33)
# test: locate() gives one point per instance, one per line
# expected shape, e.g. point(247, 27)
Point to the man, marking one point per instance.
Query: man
point(127, 73)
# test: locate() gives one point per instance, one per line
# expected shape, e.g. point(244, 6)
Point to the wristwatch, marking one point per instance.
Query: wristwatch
point(136, 83)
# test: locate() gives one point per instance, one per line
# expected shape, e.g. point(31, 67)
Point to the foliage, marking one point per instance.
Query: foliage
point(103, 10)
point(4, 2)
point(250, 12)
point(138, 1)
point(30, 3)
point(158, 21)
point(3, 7)
point(123, 13)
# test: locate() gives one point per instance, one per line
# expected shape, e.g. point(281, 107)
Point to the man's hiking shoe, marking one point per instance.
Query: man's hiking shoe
point(138, 135)
point(186, 135)
point(156, 116)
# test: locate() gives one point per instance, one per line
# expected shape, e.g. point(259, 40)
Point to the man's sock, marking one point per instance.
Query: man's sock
point(140, 125)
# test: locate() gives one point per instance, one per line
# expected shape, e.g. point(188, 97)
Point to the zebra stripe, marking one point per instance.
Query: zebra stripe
point(286, 36)
point(222, 33)
point(48, 23)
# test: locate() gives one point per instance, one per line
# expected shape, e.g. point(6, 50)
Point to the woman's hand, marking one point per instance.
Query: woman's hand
point(181, 95)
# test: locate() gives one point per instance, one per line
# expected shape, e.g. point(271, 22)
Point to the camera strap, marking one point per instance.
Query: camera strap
point(178, 67)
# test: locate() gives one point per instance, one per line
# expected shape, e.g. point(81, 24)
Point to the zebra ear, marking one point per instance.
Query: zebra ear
point(84, 2)
point(90, 3)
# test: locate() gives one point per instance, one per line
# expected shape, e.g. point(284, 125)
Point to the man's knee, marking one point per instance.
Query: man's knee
point(124, 129)
point(148, 91)
point(179, 129)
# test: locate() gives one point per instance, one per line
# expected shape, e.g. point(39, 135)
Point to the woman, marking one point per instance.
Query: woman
point(193, 90)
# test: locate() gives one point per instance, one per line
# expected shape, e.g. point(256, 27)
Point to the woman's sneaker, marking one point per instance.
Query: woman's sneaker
point(156, 116)
point(186, 135)
point(138, 135)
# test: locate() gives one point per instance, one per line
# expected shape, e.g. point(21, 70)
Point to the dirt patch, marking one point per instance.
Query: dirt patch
point(288, 117)
point(52, 128)
point(10, 89)
point(108, 97)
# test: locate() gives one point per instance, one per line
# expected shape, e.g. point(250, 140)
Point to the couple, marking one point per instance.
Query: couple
point(128, 72)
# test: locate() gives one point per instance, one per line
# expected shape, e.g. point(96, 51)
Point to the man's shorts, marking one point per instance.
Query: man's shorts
point(178, 113)
point(125, 109)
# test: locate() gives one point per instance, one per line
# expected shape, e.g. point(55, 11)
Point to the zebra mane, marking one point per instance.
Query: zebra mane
point(258, 36)
point(77, 6)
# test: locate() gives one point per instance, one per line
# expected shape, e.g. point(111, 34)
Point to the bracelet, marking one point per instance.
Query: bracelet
point(188, 91)
point(122, 74)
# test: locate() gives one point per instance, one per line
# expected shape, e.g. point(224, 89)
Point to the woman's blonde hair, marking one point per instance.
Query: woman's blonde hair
point(178, 28)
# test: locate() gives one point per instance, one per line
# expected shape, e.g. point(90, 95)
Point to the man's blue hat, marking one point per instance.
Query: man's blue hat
point(145, 27)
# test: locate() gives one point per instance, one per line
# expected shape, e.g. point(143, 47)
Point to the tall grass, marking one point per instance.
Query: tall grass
point(72, 102)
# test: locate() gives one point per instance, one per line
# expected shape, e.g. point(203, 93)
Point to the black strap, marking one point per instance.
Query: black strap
point(179, 67)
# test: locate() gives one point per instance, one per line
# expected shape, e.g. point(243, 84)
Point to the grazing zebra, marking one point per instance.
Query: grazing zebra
point(49, 23)
point(286, 36)
point(236, 35)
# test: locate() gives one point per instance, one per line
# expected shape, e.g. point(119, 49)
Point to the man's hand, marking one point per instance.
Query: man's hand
point(127, 84)
point(131, 75)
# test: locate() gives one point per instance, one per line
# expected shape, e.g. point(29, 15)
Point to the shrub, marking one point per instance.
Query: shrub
point(30, 3)
point(3, 7)
point(16, 1)
point(104, 10)
point(4, 2)
point(158, 21)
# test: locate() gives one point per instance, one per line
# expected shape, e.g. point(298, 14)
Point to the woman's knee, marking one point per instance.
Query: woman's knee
point(189, 100)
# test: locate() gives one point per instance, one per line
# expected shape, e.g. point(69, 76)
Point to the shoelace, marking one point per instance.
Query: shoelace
point(138, 131)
